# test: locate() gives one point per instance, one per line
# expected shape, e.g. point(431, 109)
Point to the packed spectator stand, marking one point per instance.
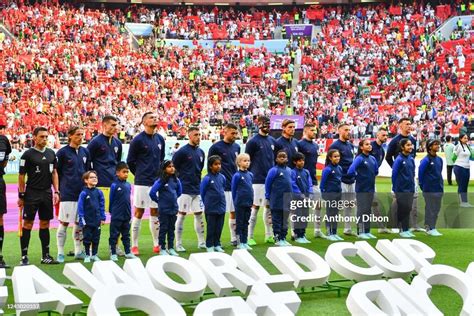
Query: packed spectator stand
point(369, 65)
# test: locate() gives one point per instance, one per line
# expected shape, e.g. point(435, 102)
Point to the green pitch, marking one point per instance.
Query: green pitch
point(455, 248)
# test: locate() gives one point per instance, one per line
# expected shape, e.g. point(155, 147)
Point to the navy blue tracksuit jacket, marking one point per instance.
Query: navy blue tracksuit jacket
point(90, 207)
point(212, 193)
point(364, 168)
point(346, 149)
point(189, 162)
point(168, 194)
point(403, 174)
point(260, 149)
point(393, 148)
point(430, 174)
point(228, 153)
point(145, 156)
point(310, 150)
point(105, 153)
point(331, 179)
point(277, 184)
point(290, 146)
point(119, 197)
point(242, 191)
point(72, 164)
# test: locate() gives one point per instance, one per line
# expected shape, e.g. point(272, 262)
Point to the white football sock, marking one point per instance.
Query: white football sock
point(78, 238)
point(252, 222)
point(136, 222)
point(179, 229)
point(199, 227)
point(267, 219)
point(232, 226)
point(61, 238)
point(154, 229)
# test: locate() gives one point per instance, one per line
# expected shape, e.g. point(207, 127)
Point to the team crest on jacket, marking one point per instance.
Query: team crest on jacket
point(296, 148)
point(201, 158)
point(273, 147)
point(116, 149)
point(84, 159)
point(159, 146)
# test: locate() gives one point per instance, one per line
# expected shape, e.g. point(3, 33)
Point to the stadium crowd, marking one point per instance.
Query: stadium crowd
point(72, 65)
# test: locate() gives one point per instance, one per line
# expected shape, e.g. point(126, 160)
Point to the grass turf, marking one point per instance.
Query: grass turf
point(455, 249)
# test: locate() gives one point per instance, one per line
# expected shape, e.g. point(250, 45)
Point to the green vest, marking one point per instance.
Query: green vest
point(129, 14)
point(459, 22)
point(141, 41)
point(463, 7)
point(122, 135)
point(288, 92)
point(191, 75)
point(245, 132)
point(293, 54)
point(297, 17)
point(289, 77)
point(289, 110)
point(471, 6)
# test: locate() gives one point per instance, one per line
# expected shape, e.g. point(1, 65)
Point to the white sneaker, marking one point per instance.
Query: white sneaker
point(349, 232)
point(180, 248)
point(202, 245)
point(119, 252)
point(465, 204)
point(384, 230)
point(319, 234)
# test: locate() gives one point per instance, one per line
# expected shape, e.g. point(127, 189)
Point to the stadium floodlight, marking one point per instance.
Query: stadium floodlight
point(188, 3)
point(275, 3)
point(311, 2)
point(221, 3)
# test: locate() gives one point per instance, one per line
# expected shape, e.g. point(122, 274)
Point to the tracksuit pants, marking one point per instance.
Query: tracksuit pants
point(215, 223)
point(242, 217)
point(167, 227)
point(119, 228)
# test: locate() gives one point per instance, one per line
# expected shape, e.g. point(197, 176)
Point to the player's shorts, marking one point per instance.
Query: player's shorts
point(141, 197)
point(38, 201)
point(316, 192)
point(3, 196)
point(348, 191)
point(106, 192)
point(68, 212)
point(258, 194)
point(229, 203)
point(190, 203)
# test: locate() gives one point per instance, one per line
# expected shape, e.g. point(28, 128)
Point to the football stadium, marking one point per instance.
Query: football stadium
point(267, 157)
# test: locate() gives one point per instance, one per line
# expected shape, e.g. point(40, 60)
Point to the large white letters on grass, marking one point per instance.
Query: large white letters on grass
point(154, 291)
point(32, 286)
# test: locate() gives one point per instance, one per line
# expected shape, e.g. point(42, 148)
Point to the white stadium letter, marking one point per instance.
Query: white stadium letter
point(195, 280)
point(286, 259)
point(247, 263)
point(265, 302)
point(119, 291)
point(421, 254)
point(222, 273)
point(394, 263)
point(335, 257)
point(32, 285)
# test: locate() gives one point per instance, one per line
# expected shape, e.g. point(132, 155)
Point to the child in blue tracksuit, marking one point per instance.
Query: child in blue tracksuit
point(165, 193)
point(403, 185)
point(365, 168)
point(331, 191)
point(431, 183)
point(277, 189)
point(242, 195)
point(213, 197)
point(302, 186)
point(90, 208)
point(120, 212)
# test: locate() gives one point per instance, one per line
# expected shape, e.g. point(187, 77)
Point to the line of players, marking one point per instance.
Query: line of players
point(146, 153)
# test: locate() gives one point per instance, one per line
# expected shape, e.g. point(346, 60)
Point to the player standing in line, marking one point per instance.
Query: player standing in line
point(147, 151)
point(308, 147)
point(73, 161)
point(228, 150)
point(286, 141)
point(260, 149)
point(379, 153)
point(393, 150)
point(346, 150)
point(106, 152)
point(189, 162)
point(38, 164)
point(5, 151)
